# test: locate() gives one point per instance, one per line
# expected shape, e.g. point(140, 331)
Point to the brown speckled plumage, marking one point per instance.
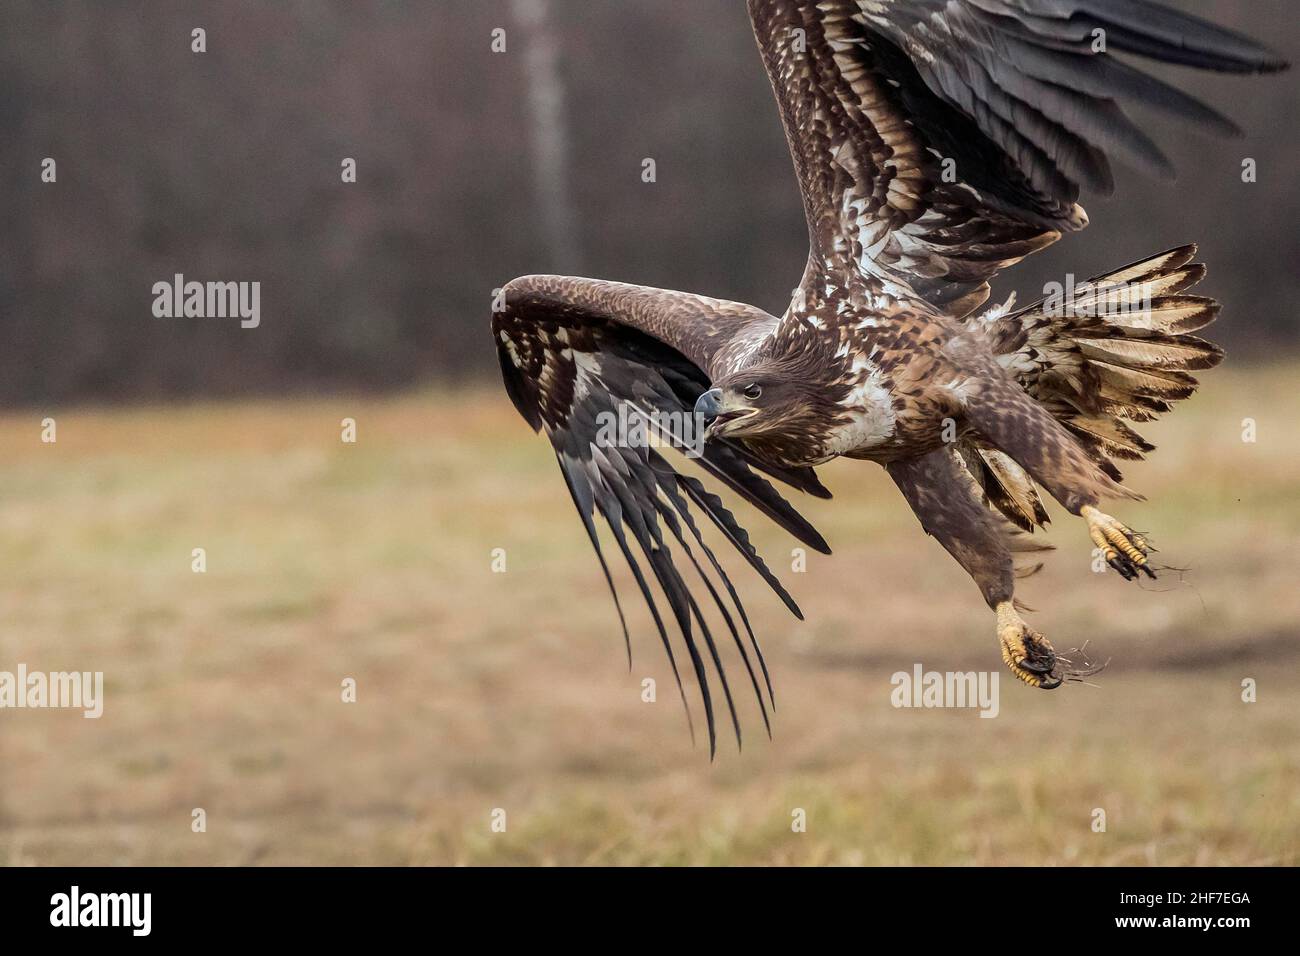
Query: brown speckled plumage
point(936, 142)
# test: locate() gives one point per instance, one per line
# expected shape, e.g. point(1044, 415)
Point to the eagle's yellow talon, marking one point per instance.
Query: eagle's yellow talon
point(1124, 549)
point(1027, 653)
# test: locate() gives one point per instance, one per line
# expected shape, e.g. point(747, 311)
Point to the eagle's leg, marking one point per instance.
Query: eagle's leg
point(945, 500)
point(1023, 429)
point(1124, 549)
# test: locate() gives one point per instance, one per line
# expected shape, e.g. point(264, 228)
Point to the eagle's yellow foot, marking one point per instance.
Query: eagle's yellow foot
point(1124, 549)
point(1029, 655)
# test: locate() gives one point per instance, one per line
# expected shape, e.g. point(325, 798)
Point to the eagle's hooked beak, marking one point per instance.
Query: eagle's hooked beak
point(712, 409)
point(709, 406)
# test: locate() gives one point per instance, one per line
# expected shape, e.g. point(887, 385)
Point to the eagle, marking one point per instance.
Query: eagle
point(935, 142)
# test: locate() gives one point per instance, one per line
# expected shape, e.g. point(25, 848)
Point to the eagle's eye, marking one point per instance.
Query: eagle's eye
point(753, 392)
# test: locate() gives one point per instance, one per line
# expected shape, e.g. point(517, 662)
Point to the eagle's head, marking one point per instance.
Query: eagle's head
point(766, 401)
point(749, 405)
point(788, 394)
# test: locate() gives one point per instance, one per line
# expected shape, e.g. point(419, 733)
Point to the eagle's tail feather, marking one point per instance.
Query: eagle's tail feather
point(1115, 349)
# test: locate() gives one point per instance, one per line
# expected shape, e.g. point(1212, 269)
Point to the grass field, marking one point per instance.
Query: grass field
point(479, 690)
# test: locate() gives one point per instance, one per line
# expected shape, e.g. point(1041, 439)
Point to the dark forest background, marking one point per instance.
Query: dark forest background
point(226, 166)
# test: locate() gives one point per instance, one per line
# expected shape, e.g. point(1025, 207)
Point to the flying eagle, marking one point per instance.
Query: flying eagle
point(936, 142)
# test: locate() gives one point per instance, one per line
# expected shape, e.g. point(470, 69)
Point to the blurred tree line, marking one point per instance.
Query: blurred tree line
point(226, 165)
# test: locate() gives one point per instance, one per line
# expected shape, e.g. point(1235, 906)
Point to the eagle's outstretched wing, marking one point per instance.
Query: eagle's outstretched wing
point(939, 141)
point(579, 357)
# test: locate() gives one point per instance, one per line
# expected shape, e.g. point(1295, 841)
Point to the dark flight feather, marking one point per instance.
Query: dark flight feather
point(1022, 99)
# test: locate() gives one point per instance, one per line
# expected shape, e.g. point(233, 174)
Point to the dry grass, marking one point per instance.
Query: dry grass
point(481, 690)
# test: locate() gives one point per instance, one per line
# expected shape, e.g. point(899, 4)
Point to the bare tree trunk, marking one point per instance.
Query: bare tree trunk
point(549, 134)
